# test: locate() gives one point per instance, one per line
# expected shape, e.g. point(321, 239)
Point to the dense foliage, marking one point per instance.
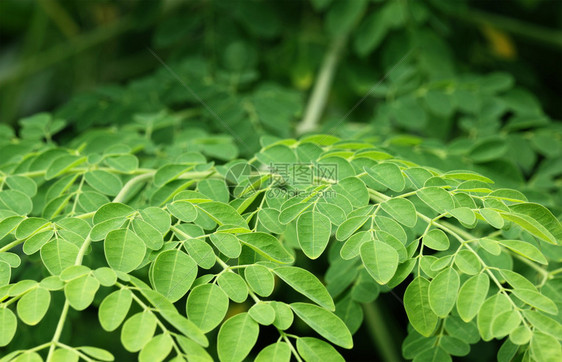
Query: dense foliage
point(232, 204)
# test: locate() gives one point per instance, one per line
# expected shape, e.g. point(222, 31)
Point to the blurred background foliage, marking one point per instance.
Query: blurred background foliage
point(447, 84)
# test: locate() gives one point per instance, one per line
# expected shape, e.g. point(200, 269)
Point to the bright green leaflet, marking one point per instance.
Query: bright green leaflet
point(237, 337)
point(313, 233)
point(206, 306)
point(416, 302)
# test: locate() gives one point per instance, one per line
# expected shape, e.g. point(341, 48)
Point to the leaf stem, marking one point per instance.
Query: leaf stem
point(380, 332)
point(317, 101)
point(293, 350)
point(121, 196)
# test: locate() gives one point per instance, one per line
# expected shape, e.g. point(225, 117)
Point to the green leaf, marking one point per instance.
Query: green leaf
point(351, 312)
point(9, 224)
point(97, 353)
point(23, 184)
point(63, 164)
point(488, 149)
point(215, 189)
point(454, 346)
point(263, 313)
point(531, 225)
point(389, 175)
point(464, 215)
point(269, 218)
point(544, 323)
point(266, 245)
point(504, 323)
point(28, 356)
point(472, 295)
point(313, 233)
point(351, 225)
point(327, 324)
point(334, 212)
point(313, 349)
point(370, 33)
point(436, 239)
point(35, 242)
point(124, 163)
point(234, 286)
point(436, 198)
point(151, 237)
point(276, 352)
point(74, 272)
point(416, 303)
point(114, 210)
point(30, 226)
point(401, 210)
point(183, 210)
point(284, 316)
point(380, 260)
point(227, 244)
point(443, 291)
point(525, 249)
point(5, 273)
point(33, 306)
point(173, 273)
point(8, 326)
point(206, 306)
point(169, 173)
point(236, 338)
point(354, 190)
point(439, 102)
point(124, 250)
point(138, 330)
point(490, 309)
point(545, 347)
point(192, 349)
point(307, 284)
point(157, 349)
point(80, 292)
point(158, 218)
point(492, 217)
point(260, 280)
point(52, 283)
point(292, 212)
point(114, 308)
point(15, 201)
point(223, 214)
point(352, 246)
point(542, 215)
point(201, 252)
point(104, 182)
point(65, 355)
point(467, 262)
point(343, 16)
point(490, 245)
point(58, 254)
point(537, 300)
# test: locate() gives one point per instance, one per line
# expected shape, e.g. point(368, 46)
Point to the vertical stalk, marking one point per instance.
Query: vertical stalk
point(317, 101)
point(380, 333)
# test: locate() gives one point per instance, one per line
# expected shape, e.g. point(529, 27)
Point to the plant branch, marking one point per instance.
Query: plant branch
point(539, 34)
point(379, 332)
point(317, 101)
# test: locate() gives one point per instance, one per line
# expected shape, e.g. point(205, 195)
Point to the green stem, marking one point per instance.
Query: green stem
point(539, 34)
point(321, 90)
point(293, 350)
point(130, 184)
point(380, 332)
